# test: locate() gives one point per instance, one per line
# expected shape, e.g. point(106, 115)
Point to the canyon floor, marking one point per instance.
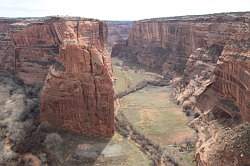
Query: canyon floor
point(150, 110)
point(153, 112)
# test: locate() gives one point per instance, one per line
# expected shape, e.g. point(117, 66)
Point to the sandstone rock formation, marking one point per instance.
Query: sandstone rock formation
point(70, 53)
point(166, 43)
point(233, 76)
point(78, 94)
point(223, 128)
point(208, 60)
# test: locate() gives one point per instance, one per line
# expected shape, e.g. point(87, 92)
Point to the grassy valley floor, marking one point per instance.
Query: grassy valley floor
point(152, 111)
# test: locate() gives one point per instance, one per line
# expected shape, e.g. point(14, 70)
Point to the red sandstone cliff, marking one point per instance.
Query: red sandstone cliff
point(223, 129)
point(70, 53)
point(165, 44)
point(208, 59)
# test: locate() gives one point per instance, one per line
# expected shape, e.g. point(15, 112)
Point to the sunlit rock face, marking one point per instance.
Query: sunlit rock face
point(223, 127)
point(67, 57)
point(233, 75)
point(166, 43)
point(78, 93)
point(207, 58)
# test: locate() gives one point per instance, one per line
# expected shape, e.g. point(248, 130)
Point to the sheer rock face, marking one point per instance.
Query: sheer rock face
point(233, 75)
point(68, 58)
point(28, 47)
point(188, 47)
point(166, 44)
point(78, 93)
point(223, 128)
point(208, 59)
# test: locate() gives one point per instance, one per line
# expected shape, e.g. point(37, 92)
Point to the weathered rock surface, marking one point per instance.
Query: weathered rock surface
point(198, 74)
point(233, 75)
point(165, 44)
point(79, 97)
point(223, 128)
point(221, 141)
point(70, 53)
point(208, 59)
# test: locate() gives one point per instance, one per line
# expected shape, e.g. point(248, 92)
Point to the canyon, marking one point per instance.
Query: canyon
point(161, 91)
point(207, 60)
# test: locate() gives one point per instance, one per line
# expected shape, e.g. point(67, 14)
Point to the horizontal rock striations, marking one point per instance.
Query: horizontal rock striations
point(233, 75)
point(165, 44)
point(68, 58)
point(225, 103)
point(207, 58)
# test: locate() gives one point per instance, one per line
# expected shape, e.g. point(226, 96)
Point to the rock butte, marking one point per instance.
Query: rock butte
point(77, 93)
point(208, 59)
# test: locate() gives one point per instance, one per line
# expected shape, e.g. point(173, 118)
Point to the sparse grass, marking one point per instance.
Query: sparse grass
point(182, 158)
point(132, 155)
point(152, 111)
point(126, 78)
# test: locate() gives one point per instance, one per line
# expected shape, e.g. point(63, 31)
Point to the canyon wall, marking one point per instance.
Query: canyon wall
point(207, 59)
point(166, 43)
point(67, 57)
point(184, 48)
point(223, 128)
point(233, 75)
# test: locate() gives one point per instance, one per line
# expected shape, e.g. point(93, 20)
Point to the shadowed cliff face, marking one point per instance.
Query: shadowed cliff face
point(69, 52)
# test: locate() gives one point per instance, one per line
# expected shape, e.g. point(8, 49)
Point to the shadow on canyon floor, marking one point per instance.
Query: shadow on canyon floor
point(64, 149)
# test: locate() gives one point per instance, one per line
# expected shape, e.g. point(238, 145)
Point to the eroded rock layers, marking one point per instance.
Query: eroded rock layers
point(222, 128)
point(69, 52)
point(207, 58)
point(165, 44)
point(233, 75)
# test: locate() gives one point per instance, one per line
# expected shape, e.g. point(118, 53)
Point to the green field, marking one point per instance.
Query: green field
point(127, 77)
point(152, 112)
